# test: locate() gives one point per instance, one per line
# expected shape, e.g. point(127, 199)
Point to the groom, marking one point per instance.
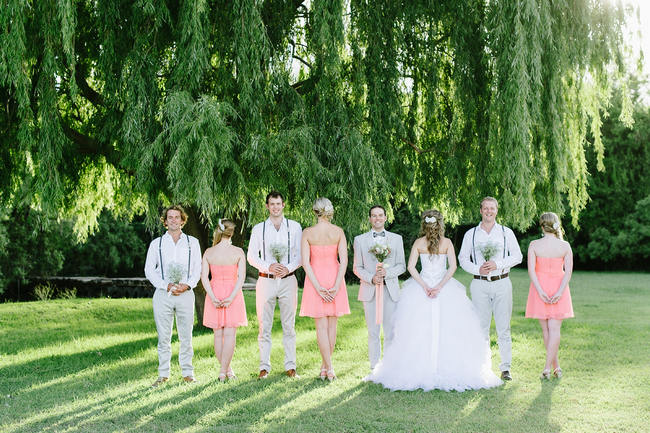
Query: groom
point(491, 287)
point(365, 267)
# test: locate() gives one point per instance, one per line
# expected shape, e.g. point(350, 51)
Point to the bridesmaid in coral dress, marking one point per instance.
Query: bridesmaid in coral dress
point(224, 309)
point(550, 264)
point(324, 297)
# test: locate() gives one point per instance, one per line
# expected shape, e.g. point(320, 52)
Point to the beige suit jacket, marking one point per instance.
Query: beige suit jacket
point(365, 265)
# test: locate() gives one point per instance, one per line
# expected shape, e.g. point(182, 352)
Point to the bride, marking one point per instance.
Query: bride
point(437, 341)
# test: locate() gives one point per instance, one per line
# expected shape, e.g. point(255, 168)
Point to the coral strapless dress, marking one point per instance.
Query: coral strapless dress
point(223, 281)
point(324, 262)
point(549, 271)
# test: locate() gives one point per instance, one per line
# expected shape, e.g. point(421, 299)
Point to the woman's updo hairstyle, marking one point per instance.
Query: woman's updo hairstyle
point(323, 208)
point(225, 229)
point(550, 223)
point(433, 228)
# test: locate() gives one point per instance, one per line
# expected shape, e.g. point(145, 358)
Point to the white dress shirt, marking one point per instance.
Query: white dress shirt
point(498, 235)
point(264, 235)
point(178, 253)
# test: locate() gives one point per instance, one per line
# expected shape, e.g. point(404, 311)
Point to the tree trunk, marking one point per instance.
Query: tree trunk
point(194, 227)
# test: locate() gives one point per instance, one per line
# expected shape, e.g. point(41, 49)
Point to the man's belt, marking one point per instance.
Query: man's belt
point(486, 278)
point(265, 275)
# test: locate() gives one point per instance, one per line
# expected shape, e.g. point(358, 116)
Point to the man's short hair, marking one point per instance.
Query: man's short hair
point(163, 216)
point(488, 198)
point(274, 194)
point(377, 206)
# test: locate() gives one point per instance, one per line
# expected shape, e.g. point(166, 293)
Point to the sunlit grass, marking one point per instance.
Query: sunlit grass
point(86, 365)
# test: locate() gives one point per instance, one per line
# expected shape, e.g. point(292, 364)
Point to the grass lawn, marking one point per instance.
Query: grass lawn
point(85, 365)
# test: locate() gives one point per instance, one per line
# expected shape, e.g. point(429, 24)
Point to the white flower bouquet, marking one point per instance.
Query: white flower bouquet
point(489, 250)
point(175, 273)
point(278, 250)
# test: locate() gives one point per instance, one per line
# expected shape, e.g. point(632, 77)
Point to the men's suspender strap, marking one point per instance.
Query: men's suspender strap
point(162, 268)
point(473, 248)
point(288, 241)
point(189, 255)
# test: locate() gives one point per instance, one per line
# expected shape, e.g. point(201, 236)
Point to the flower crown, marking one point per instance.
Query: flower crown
point(430, 220)
point(556, 225)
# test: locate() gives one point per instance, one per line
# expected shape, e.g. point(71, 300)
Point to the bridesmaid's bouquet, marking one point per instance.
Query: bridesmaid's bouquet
point(278, 250)
point(175, 273)
point(489, 249)
point(380, 251)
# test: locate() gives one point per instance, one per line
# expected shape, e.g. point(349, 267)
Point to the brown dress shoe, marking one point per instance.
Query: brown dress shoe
point(292, 373)
point(159, 382)
point(189, 379)
point(263, 374)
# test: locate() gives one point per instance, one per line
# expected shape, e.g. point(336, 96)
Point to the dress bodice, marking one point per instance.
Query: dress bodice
point(224, 272)
point(323, 254)
point(434, 266)
point(549, 265)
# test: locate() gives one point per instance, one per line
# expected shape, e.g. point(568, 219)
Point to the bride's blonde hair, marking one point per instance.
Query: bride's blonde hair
point(433, 228)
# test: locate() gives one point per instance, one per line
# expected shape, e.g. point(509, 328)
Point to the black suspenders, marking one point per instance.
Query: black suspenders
point(189, 256)
point(474, 246)
point(288, 241)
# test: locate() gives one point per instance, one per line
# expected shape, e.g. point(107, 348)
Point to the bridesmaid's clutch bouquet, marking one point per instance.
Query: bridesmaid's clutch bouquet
point(380, 251)
point(278, 250)
point(175, 273)
point(489, 249)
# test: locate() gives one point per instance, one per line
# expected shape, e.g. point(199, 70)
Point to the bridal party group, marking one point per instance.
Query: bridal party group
point(434, 336)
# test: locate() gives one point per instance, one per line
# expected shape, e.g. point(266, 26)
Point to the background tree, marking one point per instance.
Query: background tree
point(122, 105)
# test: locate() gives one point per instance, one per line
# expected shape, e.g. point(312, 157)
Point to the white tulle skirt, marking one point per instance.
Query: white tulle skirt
point(437, 343)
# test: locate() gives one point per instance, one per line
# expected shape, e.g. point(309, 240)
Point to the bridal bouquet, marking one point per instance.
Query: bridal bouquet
point(278, 250)
point(380, 251)
point(489, 249)
point(175, 273)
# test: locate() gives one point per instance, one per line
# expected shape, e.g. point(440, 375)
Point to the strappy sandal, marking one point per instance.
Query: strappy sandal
point(231, 374)
point(330, 375)
point(557, 372)
point(546, 374)
point(323, 373)
point(222, 377)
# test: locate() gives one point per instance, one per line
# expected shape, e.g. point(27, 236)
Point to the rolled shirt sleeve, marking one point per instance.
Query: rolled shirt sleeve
point(513, 255)
point(295, 261)
point(195, 264)
point(152, 266)
point(464, 256)
point(254, 253)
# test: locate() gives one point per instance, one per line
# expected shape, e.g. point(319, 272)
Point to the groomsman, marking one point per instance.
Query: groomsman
point(365, 267)
point(491, 287)
point(276, 281)
point(173, 267)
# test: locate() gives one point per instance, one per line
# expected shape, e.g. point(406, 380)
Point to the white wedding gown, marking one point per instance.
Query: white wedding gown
point(437, 343)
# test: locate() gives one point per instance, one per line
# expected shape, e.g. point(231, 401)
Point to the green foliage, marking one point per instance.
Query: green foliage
point(32, 246)
point(126, 106)
point(117, 249)
point(44, 292)
point(612, 225)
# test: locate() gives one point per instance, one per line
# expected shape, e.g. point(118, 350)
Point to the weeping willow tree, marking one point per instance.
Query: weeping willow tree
point(129, 105)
